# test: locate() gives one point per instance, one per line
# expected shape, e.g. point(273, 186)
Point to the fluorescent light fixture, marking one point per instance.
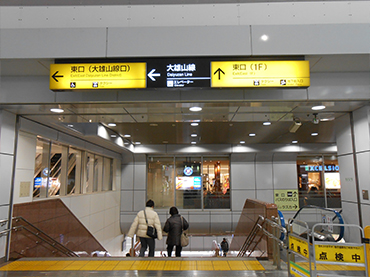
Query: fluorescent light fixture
point(127, 136)
point(194, 124)
point(317, 108)
point(70, 125)
point(113, 136)
point(57, 110)
point(138, 142)
point(252, 134)
point(193, 142)
point(194, 135)
point(195, 109)
point(266, 123)
point(294, 141)
point(242, 142)
point(314, 134)
point(112, 124)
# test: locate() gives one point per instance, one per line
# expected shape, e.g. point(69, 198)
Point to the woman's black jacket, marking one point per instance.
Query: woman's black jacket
point(174, 230)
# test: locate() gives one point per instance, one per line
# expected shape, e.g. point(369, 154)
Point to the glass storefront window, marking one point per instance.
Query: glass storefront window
point(189, 182)
point(63, 170)
point(318, 181)
point(216, 183)
point(161, 181)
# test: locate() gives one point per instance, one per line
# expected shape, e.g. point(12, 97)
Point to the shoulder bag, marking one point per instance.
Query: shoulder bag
point(184, 236)
point(151, 231)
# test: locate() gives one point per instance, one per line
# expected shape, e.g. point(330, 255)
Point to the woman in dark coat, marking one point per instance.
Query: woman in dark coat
point(174, 227)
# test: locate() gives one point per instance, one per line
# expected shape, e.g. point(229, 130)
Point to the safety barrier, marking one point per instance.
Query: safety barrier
point(313, 251)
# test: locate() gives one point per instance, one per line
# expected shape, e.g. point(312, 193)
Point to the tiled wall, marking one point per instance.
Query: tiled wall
point(55, 219)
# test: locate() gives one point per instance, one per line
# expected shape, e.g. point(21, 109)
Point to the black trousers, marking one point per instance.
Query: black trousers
point(145, 242)
point(178, 250)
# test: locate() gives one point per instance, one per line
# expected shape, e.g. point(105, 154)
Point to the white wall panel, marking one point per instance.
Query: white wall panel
point(238, 198)
point(127, 198)
point(139, 200)
point(26, 151)
point(23, 175)
point(365, 209)
point(363, 164)
point(361, 129)
point(347, 178)
point(350, 216)
point(61, 43)
point(97, 202)
point(96, 222)
point(112, 199)
point(343, 135)
point(127, 180)
point(266, 195)
point(80, 205)
point(285, 175)
point(202, 40)
point(7, 132)
point(311, 39)
point(339, 85)
point(6, 168)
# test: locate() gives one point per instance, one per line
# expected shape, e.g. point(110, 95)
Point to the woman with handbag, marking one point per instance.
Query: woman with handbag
point(174, 226)
point(147, 227)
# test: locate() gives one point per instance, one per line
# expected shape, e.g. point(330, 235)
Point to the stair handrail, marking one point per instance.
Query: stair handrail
point(52, 242)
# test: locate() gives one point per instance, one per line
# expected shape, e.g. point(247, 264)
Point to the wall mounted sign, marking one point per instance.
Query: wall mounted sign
point(286, 199)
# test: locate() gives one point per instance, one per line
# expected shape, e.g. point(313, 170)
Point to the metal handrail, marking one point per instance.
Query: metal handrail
point(44, 237)
point(337, 214)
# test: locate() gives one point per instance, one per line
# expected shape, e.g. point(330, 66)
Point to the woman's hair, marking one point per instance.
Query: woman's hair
point(173, 210)
point(150, 203)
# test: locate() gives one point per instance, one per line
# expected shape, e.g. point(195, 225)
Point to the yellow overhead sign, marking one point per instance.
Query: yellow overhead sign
point(260, 74)
point(97, 76)
point(339, 253)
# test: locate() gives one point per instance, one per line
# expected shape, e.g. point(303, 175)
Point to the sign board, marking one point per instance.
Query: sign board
point(298, 271)
point(178, 73)
point(97, 76)
point(260, 74)
point(286, 199)
point(299, 246)
point(341, 253)
point(199, 72)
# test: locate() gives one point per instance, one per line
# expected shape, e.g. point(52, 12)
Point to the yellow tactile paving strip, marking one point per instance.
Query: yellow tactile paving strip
point(115, 265)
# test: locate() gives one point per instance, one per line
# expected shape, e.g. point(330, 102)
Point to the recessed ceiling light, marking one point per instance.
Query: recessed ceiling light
point(90, 120)
point(193, 142)
point(294, 141)
point(194, 124)
point(264, 37)
point(138, 142)
point(153, 124)
point(57, 110)
point(113, 136)
point(252, 134)
point(70, 125)
point(266, 123)
point(242, 142)
point(194, 135)
point(127, 136)
point(112, 124)
point(317, 108)
point(314, 134)
point(195, 109)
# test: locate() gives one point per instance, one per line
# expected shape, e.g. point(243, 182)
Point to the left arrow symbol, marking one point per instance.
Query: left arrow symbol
point(55, 76)
point(151, 75)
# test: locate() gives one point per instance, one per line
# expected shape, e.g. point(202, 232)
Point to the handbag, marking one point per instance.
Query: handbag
point(184, 236)
point(151, 231)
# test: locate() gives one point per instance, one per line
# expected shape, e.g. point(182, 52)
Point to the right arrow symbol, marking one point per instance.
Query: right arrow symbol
point(219, 71)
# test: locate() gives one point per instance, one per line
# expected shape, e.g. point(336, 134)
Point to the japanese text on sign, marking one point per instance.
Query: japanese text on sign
point(299, 246)
point(97, 76)
point(339, 253)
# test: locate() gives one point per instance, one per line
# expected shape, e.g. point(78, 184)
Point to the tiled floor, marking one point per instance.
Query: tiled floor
point(161, 267)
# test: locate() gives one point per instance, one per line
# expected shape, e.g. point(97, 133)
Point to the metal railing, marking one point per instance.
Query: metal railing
point(19, 224)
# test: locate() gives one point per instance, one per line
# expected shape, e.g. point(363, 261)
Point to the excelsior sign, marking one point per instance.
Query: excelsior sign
point(97, 76)
point(260, 74)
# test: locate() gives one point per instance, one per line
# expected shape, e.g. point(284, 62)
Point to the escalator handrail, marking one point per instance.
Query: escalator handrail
point(282, 223)
point(337, 214)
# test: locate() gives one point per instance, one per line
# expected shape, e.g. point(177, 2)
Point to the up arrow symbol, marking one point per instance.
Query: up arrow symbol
point(219, 71)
